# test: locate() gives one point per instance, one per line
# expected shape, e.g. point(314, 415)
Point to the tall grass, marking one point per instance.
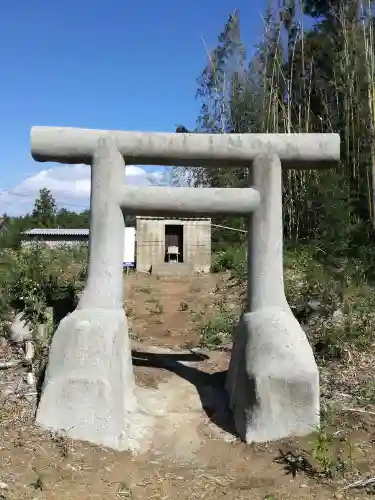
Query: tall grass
point(291, 77)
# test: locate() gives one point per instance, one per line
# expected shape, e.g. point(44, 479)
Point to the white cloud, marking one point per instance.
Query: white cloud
point(69, 184)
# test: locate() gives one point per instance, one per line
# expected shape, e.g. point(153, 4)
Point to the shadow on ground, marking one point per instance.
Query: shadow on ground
point(210, 387)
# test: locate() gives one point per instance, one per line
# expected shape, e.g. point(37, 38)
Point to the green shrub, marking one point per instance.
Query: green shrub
point(229, 259)
point(35, 277)
point(315, 290)
point(217, 330)
point(29, 285)
point(35, 280)
point(5, 313)
point(333, 290)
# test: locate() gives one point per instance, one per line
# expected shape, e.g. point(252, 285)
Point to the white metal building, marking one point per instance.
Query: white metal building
point(58, 237)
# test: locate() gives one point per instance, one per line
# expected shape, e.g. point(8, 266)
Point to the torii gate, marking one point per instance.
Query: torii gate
point(273, 379)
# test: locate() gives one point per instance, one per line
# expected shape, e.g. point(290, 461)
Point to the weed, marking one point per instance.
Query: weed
point(331, 339)
point(158, 306)
point(349, 462)
point(322, 451)
point(130, 313)
point(62, 443)
point(152, 300)
point(216, 331)
point(134, 336)
point(327, 415)
point(294, 463)
point(196, 315)
point(367, 393)
point(229, 259)
point(159, 309)
point(19, 441)
point(38, 483)
point(143, 289)
point(123, 491)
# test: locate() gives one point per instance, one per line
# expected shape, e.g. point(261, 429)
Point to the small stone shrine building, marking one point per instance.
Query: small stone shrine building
point(169, 246)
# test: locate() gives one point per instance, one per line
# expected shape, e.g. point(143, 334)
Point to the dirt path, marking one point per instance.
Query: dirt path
point(169, 312)
point(193, 453)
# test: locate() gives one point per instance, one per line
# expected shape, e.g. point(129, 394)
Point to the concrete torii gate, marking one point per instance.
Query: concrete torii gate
point(273, 380)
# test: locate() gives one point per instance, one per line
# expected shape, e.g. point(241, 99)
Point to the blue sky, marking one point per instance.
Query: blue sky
point(110, 64)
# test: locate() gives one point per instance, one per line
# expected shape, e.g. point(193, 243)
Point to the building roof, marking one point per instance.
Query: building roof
point(56, 232)
point(142, 217)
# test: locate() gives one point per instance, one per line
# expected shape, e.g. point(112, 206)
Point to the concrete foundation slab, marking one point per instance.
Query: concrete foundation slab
point(273, 379)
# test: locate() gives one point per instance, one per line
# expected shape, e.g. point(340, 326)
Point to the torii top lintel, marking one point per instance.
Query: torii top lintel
point(77, 145)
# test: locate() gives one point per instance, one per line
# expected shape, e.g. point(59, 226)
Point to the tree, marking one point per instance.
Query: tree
point(72, 220)
point(320, 79)
point(44, 211)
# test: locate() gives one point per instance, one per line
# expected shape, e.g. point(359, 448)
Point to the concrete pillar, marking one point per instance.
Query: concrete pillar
point(273, 379)
point(104, 288)
point(265, 252)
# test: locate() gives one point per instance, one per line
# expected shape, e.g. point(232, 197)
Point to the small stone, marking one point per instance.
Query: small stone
point(338, 317)
point(19, 330)
point(3, 486)
point(6, 392)
point(30, 379)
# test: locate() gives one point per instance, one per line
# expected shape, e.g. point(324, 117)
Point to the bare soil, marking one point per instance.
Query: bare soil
point(194, 453)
